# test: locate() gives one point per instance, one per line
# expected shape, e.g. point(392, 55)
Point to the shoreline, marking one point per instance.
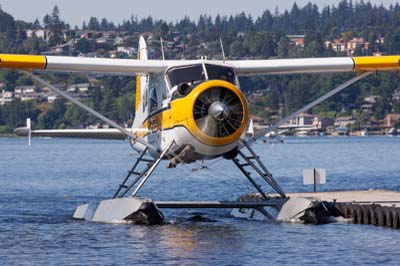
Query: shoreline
point(8, 135)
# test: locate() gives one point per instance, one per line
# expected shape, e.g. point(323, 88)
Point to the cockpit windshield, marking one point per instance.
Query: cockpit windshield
point(220, 72)
point(186, 74)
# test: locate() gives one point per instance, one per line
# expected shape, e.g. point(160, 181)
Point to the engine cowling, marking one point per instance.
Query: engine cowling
point(219, 112)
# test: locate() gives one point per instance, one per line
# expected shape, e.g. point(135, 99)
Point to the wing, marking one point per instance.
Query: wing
point(316, 65)
point(80, 64)
point(103, 133)
point(242, 67)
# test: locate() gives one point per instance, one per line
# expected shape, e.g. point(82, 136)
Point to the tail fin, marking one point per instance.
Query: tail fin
point(142, 55)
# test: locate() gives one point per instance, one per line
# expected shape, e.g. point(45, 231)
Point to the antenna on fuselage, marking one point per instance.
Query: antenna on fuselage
point(222, 48)
point(162, 48)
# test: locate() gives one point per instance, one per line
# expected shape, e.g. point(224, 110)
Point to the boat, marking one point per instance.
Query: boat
point(393, 131)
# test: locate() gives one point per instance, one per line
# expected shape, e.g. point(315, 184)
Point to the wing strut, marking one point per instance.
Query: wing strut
point(311, 105)
point(102, 117)
point(91, 111)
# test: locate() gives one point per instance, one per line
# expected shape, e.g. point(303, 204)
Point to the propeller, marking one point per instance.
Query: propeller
point(218, 112)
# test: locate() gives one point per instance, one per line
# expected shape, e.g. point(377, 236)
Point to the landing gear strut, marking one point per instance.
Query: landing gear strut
point(253, 161)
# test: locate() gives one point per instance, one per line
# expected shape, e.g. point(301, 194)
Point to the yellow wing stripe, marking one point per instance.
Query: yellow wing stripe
point(22, 61)
point(374, 63)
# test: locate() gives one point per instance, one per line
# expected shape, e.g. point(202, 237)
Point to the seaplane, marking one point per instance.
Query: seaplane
point(188, 111)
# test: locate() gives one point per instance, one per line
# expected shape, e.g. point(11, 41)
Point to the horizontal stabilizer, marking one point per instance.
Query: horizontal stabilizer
point(102, 133)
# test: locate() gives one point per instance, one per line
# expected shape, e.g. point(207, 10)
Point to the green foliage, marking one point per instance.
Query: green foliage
point(243, 38)
point(54, 117)
point(7, 24)
point(55, 25)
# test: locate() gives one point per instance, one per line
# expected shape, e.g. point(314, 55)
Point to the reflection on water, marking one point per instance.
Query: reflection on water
point(41, 186)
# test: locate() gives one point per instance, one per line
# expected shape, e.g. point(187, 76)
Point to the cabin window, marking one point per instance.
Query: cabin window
point(188, 74)
point(221, 72)
point(153, 100)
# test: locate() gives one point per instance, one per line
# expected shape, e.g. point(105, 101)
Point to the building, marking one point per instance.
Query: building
point(369, 103)
point(129, 51)
point(118, 41)
point(26, 93)
point(391, 120)
point(23, 90)
point(305, 119)
point(6, 97)
point(40, 33)
point(396, 95)
point(51, 97)
point(347, 47)
point(296, 40)
point(344, 122)
point(323, 122)
point(80, 88)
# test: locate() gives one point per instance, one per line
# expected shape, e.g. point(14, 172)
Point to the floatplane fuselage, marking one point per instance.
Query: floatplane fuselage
point(198, 106)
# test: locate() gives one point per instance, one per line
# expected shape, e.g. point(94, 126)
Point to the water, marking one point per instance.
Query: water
point(40, 187)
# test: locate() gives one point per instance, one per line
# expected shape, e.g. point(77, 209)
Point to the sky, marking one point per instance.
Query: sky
point(75, 12)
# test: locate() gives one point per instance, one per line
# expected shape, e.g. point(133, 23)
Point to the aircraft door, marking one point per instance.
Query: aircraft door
point(154, 110)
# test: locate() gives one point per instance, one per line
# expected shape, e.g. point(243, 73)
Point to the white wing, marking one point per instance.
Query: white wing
point(242, 67)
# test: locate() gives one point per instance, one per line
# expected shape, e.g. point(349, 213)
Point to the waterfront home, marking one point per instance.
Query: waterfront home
point(391, 120)
point(344, 122)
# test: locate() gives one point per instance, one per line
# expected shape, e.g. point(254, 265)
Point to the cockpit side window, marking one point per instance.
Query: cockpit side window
point(220, 72)
point(187, 74)
point(153, 100)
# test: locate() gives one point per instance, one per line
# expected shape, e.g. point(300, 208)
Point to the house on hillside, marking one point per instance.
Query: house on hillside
point(6, 97)
point(369, 103)
point(43, 34)
point(296, 40)
point(118, 41)
point(391, 120)
point(396, 95)
point(347, 47)
point(79, 88)
point(20, 90)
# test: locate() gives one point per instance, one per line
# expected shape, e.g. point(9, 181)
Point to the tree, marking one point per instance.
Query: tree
point(55, 25)
point(83, 45)
point(283, 47)
point(237, 49)
point(54, 116)
point(36, 24)
point(93, 24)
point(7, 24)
point(313, 49)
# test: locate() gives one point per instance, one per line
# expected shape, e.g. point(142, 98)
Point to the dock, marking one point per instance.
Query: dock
point(374, 207)
point(372, 196)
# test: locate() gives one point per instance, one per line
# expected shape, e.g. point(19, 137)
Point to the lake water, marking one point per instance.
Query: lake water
point(41, 185)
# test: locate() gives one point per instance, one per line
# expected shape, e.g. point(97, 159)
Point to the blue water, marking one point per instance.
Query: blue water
point(41, 185)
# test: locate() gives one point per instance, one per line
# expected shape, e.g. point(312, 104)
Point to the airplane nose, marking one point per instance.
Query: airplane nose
point(219, 111)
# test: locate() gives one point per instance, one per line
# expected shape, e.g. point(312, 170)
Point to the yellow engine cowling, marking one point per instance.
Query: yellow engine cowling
point(215, 112)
